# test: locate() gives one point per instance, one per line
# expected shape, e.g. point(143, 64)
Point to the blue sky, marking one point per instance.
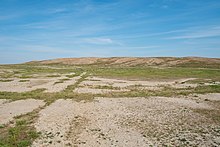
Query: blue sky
point(47, 29)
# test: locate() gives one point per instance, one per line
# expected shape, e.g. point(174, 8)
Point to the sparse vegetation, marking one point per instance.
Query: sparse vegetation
point(25, 76)
point(73, 75)
point(61, 81)
point(22, 133)
point(53, 76)
point(155, 73)
point(106, 87)
point(6, 80)
point(24, 80)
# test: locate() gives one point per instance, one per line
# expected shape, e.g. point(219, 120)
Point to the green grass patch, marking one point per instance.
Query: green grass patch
point(6, 80)
point(21, 135)
point(73, 75)
point(106, 87)
point(37, 94)
point(24, 80)
point(200, 81)
point(70, 88)
point(2, 126)
point(155, 73)
point(53, 76)
point(25, 76)
point(6, 75)
point(61, 81)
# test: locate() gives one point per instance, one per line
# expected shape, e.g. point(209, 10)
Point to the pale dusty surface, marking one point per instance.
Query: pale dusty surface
point(97, 91)
point(54, 122)
point(94, 81)
point(2, 101)
point(9, 110)
point(129, 122)
point(211, 96)
point(92, 84)
point(38, 83)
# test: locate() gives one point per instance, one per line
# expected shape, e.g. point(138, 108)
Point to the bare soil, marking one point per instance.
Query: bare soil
point(156, 121)
point(8, 110)
point(191, 120)
point(133, 61)
point(51, 84)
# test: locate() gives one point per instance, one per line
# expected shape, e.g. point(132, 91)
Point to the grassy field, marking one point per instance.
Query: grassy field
point(156, 73)
point(25, 70)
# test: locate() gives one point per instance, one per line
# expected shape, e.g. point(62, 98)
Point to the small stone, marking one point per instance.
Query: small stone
point(217, 140)
point(183, 139)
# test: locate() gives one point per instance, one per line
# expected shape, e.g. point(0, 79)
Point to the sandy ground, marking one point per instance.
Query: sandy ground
point(91, 83)
point(97, 91)
point(127, 83)
point(8, 110)
point(210, 96)
point(37, 83)
point(2, 101)
point(156, 121)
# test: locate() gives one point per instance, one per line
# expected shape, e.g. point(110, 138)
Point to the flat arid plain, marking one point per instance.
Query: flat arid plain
point(122, 102)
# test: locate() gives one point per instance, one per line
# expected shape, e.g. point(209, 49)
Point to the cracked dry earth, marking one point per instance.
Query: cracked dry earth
point(152, 121)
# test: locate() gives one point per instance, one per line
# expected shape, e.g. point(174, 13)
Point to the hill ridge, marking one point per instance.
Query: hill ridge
point(135, 61)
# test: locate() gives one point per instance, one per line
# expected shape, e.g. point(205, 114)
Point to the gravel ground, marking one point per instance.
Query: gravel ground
point(96, 81)
point(97, 91)
point(8, 110)
point(37, 83)
point(210, 96)
point(156, 121)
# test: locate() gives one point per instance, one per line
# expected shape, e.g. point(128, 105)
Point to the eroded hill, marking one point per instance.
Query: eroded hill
point(137, 61)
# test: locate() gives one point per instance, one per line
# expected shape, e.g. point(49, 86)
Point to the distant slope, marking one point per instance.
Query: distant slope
point(136, 61)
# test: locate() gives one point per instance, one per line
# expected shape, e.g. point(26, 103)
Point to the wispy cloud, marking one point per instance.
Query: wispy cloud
point(144, 35)
point(199, 33)
point(56, 10)
point(99, 40)
point(93, 27)
point(140, 47)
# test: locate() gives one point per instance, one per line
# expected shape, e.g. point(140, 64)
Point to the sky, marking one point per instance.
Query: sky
point(47, 29)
